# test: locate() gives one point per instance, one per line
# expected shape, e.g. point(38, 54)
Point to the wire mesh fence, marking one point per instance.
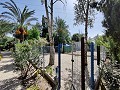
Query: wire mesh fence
point(76, 67)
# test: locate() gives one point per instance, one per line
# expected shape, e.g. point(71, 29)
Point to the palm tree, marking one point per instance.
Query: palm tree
point(61, 29)
point(18, 17)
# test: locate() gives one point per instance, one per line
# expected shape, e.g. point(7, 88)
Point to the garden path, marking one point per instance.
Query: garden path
point(8, 77)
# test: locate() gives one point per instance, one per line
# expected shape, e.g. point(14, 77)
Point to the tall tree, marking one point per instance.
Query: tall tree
point(84, 14)
point(18, 17)
point(61, 31)
point(49, 16)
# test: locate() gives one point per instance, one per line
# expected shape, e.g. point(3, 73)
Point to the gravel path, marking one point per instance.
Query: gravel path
point(8, 77)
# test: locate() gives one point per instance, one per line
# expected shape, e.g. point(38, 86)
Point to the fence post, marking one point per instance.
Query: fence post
point(98, 55)
point(59, 66)
point(82, 64)
point(92, 65)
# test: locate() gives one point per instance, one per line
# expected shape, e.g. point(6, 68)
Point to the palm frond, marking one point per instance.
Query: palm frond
point(15, 10)
point(26, 15)
point(15, 6)
point(5, 27)
point(31, 19)
point(18, 10)
point(7, 6)
point(20, 17)
point(8, 13)
point(23, 15)
point(6, 17)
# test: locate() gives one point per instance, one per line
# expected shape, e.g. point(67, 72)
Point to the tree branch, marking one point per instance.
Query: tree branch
point(60, 1)
point(49, 7)
point(55, 1)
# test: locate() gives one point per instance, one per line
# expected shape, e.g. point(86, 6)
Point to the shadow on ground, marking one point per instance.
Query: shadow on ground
point(7, 68)
point(10, 84)
point(6, 54)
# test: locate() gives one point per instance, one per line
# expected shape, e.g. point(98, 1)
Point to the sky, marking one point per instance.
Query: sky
point(65, 12)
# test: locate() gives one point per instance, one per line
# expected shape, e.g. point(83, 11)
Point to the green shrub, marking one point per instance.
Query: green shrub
point(33, 33)
point(26, 52)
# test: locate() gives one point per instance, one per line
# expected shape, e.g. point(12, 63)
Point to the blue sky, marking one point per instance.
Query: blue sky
point(65, 12)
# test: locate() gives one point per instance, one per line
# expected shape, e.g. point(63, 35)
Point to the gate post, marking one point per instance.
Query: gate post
point(82, 64)
point(92, 65)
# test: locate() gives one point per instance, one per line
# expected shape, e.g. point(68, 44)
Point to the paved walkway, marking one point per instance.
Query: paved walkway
point(8, 77)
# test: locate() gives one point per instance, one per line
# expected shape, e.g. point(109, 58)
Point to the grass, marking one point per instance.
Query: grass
point(1, 57)
point(33, 87)
point(49, 70)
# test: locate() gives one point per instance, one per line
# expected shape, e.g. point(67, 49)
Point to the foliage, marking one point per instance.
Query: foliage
point(102, 41)
point(110, 46)
point(44, 27)
point(81, 12)
point(5, 27)
point(33, 33)
point(111, 22)
point(5, 39)
point(16, 15)
point(77, 37)
point(38, 26)
point(37, 42)
point(18, 18)
point(20, 55)
point(111, 77)
point(26, 52)
point(61, 35)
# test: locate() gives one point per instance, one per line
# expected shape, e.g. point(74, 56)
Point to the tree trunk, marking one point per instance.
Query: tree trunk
point(86, 31)
point(52, 50)
point(50, 31)
point(86, 36)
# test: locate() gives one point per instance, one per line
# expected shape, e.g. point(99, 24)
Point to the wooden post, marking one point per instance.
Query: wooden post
point(98, 55)
point(92, 65)
point(82, 64)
